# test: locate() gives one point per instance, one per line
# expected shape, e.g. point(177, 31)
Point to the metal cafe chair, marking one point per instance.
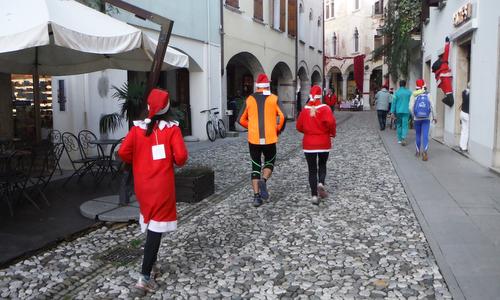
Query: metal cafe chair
point(55, 138)
point(111, 163)
point(80, 163)
point(15, 177)
point(45, 161)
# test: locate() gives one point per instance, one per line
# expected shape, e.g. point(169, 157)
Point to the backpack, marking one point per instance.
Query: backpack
point(422, 107)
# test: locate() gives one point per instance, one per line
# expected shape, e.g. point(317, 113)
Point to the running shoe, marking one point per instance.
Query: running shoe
point(257, 200)
point(399, 142)
point(263, 189)
point(315, 200)
point(146, 285)
point(425, 157)
point(322, 191)
point(403, 143)
point(156, 271)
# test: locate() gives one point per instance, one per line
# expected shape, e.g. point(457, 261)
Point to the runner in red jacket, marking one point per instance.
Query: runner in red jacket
point(152, 147)
point(317, 123)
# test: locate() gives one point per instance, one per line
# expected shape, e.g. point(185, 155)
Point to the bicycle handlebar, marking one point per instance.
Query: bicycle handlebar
point(207, 110)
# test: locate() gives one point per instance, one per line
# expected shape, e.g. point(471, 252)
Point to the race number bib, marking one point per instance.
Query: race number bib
point(159, 152)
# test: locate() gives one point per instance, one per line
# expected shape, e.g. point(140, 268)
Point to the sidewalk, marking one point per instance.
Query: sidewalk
point(457, 203)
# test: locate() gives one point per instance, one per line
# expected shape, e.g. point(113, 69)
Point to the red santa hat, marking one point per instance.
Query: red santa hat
point(158, 104)
point(262, 81)
point(420, 84)
point(315, 93)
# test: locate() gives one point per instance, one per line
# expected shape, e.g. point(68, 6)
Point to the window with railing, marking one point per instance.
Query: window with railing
point(258, 10)
point(330, 9)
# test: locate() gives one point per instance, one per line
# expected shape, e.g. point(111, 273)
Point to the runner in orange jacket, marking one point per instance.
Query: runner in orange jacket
point(260, 115)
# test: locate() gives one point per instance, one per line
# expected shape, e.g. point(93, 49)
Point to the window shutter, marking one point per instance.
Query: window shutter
point(233, 3)
point(292, 17)
point(282, 15)
point(258, 12)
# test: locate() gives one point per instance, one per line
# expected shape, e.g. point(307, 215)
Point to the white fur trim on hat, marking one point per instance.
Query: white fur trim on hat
point(262, 85)
point(147, 120)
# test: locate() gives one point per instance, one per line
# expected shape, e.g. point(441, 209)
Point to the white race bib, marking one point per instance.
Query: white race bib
point(159, 152)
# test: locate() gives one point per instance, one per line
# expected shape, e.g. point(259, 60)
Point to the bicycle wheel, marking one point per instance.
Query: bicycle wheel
point(211, 131)
point(222, 128)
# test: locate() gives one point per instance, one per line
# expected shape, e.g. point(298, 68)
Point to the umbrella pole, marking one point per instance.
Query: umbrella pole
point(36, 100)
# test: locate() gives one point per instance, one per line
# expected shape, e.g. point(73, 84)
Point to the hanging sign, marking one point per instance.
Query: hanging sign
point(463, 15)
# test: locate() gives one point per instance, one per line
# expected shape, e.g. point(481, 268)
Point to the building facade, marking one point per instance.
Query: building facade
point(195, 33)
point(352, 28)
point(260, 36)
point(473, 28)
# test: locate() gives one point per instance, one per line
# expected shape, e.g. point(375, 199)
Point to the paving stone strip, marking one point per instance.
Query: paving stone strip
point(362, 242)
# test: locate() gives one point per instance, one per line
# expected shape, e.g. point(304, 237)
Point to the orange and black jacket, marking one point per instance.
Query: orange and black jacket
point(259, 115)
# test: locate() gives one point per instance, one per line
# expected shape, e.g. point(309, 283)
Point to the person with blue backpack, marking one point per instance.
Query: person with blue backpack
point(421, 108)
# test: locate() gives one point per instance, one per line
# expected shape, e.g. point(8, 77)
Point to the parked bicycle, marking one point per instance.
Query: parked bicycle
point(214, 124)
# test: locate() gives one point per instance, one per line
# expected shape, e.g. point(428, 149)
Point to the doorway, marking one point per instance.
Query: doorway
point(463, 77)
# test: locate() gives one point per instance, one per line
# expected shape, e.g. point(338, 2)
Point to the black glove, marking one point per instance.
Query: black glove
point(447, 39)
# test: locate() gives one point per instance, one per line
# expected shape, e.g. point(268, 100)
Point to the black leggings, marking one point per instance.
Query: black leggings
point(256, 152)
point(316, 163)
point(153, 240)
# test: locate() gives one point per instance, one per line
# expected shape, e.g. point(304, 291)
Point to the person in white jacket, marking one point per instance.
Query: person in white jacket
point(422, 110)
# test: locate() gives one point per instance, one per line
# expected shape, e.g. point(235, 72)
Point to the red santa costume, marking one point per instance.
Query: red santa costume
point(152, 158)
point(318, 124)
point(444, 76)
point(331, 99)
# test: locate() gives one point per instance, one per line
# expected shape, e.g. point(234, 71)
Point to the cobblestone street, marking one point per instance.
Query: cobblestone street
point(364, 241)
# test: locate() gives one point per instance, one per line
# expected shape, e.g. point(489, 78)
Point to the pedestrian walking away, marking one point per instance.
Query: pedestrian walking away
point(464, 119)
point(422, 111)
point(318, 125)
point(259, 115)
point(382, 101)
point(401, 111)
point(331, 99)
point(152, 147)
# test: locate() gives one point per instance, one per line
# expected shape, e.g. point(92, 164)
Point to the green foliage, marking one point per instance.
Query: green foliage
point(131, 96)
point(99, 5)
point(110, 122)
point(402, 19)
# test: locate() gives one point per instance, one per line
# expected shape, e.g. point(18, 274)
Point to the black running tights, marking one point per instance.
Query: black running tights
point(153, 240)
point(316, 163)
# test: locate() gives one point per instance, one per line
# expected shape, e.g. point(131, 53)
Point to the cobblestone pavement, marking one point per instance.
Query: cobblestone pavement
point(362, 242)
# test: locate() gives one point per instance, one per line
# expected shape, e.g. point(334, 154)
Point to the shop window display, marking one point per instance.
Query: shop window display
point(23, 106)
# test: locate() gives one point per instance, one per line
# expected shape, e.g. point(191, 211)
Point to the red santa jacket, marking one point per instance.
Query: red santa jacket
point(444, 70)
point(317, 123)
point(154, 179)
point(331, 100)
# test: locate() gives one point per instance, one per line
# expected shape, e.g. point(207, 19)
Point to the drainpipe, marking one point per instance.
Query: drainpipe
point(221, 31)
point(209, 57)
point(324, 48)
point(296, 58)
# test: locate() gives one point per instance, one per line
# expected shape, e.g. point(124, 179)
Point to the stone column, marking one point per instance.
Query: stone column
point(366, 91)
point(6, 117)
point(344, 86)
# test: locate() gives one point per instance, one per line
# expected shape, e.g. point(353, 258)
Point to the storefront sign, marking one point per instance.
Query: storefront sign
point(463, 15)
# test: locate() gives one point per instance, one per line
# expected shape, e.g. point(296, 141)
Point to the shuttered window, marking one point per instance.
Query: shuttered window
point(292, 18)
point(233, 3)
point(282, 15)
point(258, 12)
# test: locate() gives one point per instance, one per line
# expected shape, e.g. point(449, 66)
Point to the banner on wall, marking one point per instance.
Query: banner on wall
point(359, 72)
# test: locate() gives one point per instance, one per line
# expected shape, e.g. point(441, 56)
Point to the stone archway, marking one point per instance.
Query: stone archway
point(334, 81)
point(304, 87)
point(316, 78)
point(282, 85)
point(241, 71)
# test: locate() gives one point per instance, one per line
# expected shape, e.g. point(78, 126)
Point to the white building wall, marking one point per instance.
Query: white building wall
point(204, 79)
point(310, 49)
point(343, 23)
point(483, 28)
point(269, 45)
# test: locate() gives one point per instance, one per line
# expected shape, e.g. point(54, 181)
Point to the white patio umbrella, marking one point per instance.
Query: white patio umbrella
point(64, 37)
